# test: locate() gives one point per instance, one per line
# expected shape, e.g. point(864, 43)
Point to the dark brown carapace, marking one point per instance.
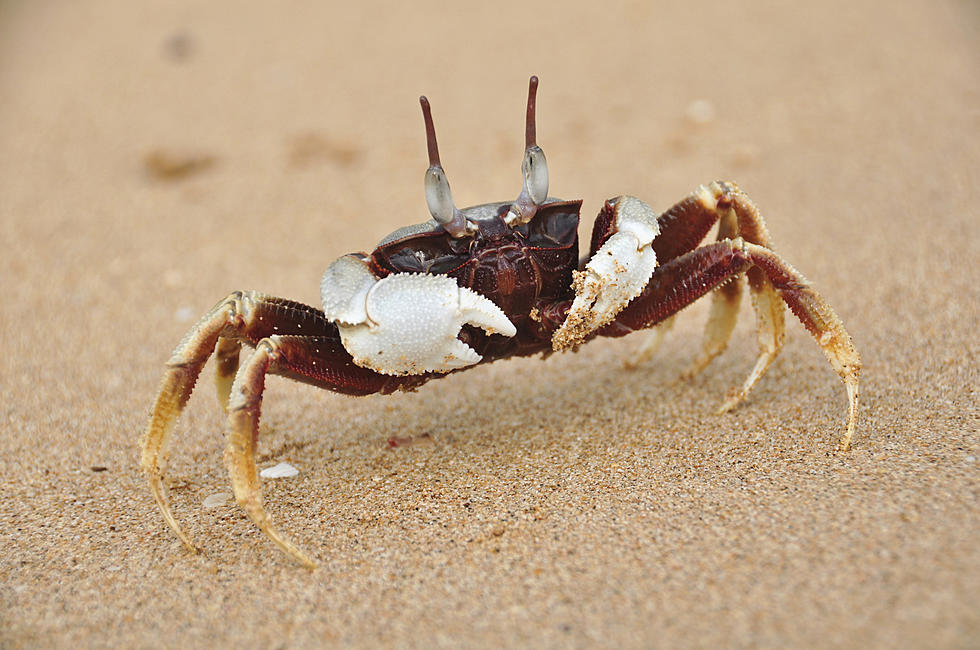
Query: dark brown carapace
point(525, 269)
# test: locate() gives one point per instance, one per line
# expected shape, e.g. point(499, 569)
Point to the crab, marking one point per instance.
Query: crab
point(489, 282)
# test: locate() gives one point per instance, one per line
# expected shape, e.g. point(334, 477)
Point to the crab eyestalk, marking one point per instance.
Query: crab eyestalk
point(438, 196)
point(534, 167)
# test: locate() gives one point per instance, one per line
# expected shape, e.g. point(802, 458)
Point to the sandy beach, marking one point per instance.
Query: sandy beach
point(155, 156)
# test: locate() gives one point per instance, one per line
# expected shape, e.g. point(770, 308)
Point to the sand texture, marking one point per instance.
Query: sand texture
point(155, 156)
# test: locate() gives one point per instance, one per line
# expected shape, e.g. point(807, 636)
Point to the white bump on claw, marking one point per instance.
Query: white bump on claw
point(617, 273)
point(635, 216)
point(344, 288)
point(412, 321)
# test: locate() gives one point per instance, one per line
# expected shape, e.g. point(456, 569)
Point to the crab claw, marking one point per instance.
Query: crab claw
point(412, 321)
point(344, 289)
point(617, 273)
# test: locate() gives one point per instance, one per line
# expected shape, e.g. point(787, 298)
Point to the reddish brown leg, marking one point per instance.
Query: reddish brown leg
point(820, 320)
point(244, 316)
point(682, 227)
point(684, 279)
point(680, 282)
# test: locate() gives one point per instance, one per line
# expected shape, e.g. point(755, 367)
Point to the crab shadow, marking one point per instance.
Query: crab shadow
point(513, 404)
point(505, 444)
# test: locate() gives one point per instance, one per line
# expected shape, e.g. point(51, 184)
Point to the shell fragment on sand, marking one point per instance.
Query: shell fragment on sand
point(217, 500)
point(282, 470)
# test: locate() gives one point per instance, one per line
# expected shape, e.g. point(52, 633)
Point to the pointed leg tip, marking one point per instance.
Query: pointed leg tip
point(160, 496)
point(691, 372)
point(845, 441)
point(183, 536)
point(307, 563)
point(731, 403)
point(290, 549)
point(852, 407)
point(294, 553)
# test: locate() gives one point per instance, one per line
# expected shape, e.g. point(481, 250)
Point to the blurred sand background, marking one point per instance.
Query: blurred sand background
point(155, 156)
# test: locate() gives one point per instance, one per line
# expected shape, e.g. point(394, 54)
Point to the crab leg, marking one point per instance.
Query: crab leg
point(684, 279)
point(242, 316)
point(819, 319)
point(650, 344)
point(226, 355)
point(682, 227)
point(242, 435)
point(680, 282)
point(320, 361)
point(725, 301)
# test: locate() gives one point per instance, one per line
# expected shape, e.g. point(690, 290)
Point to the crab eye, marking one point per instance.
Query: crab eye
point(438, 196)
point(535, 168)
point(437, 193)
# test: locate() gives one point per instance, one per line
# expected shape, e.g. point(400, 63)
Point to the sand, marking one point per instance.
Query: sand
point(155, 156)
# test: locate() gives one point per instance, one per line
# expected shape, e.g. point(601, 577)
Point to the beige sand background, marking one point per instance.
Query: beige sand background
point(564, 503)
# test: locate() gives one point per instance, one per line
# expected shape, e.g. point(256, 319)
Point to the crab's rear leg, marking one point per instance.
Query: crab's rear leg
point(686, 278)
point(242, 316)
point(651, 344)
point(726, 299)
point(682, 227)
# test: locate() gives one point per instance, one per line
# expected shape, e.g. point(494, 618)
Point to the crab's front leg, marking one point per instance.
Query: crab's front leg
point(400, 325)
point(243, 317)
point(616, 273)
point(406, 323)
point(317, 360)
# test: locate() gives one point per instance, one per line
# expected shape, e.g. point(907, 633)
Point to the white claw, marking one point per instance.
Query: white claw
point(461, 355)
point(481, 312)
point(617, 273)
point(412, 321)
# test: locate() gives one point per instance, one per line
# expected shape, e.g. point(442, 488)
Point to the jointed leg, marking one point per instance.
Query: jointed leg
point(651, 344)
point(684, 279)
point(770, 333)
point(682, 227)
point(242, 435)
point(769, 312)
point(820, 320)
point(725, 300)
point(242, 316)
point(316, 360)
point(680, 282)
point(182, 372)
